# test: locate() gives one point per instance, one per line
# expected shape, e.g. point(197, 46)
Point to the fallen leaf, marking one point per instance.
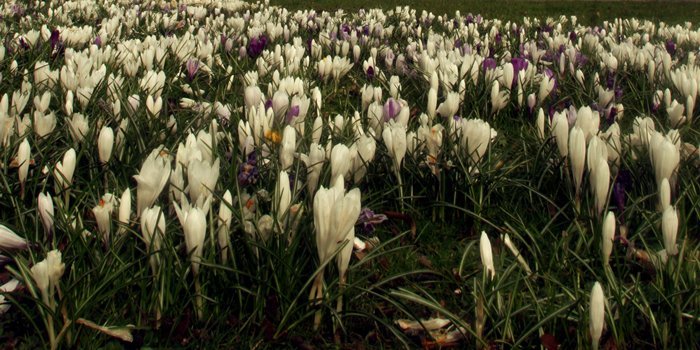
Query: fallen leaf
point(121, 333)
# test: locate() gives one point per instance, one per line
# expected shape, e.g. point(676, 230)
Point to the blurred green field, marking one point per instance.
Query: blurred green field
point(588, 12)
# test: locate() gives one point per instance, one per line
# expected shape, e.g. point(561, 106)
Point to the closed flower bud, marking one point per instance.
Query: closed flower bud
point(597, 314)
point(10, 240)
point(125, 208)
point(46, 212)
point(341, 162)
point(194, 225)
point(608, 236)
point(486, 255)
point(23, 158)
point(577, 156)
point(540, 124)
point(601, 185)
point(63, 172)
point(560, 129)
point(103, 215)
point(105, 143)
point(669, 228)
point(225, 219)
point(152, 231)
point(288, 147)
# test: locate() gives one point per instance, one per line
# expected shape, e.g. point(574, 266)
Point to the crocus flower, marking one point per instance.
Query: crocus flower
point(202, 178)
point(152, 231)
point(256, 46)
point(577, 156)
point(608, 236)
point(46, 275)
point(103, 215)
point(392, 107)
point(192, 68)
point(287, 147)
point(341, 161)
point(394, 136)
point(248, 171)
point(63, 172)
point(335, 213)
point(152, 178)
point(597, 314)
point(487, 255)
point(368, 219)
point(664, 195)
point(124, 209)
point(670, 47)
point(669, 228)
point(8, 287)
point(10, 240)
point(105, 144)
point(23, 159)
point(225, 220)
point(46, 212)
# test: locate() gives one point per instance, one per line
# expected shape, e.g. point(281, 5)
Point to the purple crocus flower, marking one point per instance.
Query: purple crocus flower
point(670, 47)
point(519, 64)
point(248, 172)
point(470, 19)
point(368, 219)
point(489, 63)
point(256, 46)
point(268, 104)
point(392, 107)
point(17, 10)
point(370, 73)
point(192, 68)
point(581, 59)
point(292, 112)
point(54, 39)
point(98, 41)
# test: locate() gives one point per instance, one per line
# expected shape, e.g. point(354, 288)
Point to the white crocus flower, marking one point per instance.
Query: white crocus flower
point(487, 255)
point(152, 178)
point(63, 172)
point(577, 156)
point(152, 231)
point(608, 236)
point(202, 178)
point(23, 159)
point(335, 213)
point(287, 147)
point(105, 144)
point(341, 161)
point(669, 228)
point(597, 314)
point(103, 215)
point(46, 212)
point(10, 240)
point(225, 220)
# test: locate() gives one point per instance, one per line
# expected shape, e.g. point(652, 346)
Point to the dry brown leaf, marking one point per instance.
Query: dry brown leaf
point(122, 333)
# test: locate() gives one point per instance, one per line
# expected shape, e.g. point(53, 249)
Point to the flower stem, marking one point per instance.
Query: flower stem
point(198, 300)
